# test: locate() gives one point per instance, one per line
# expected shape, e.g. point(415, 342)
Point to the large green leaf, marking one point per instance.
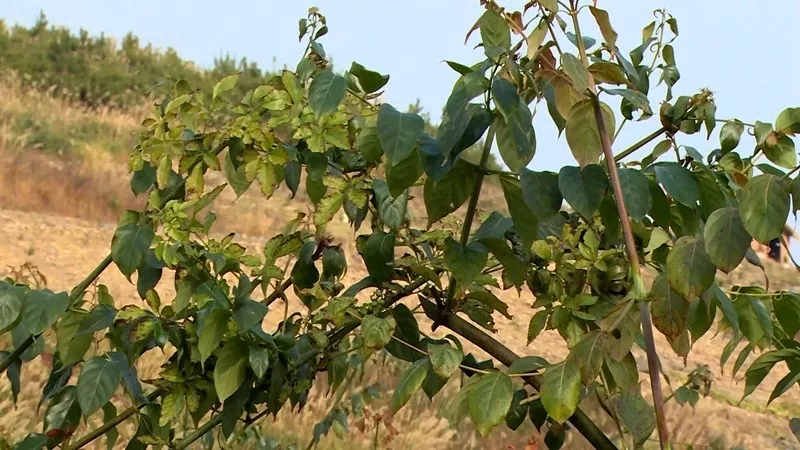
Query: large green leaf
point(398, 132)
point(404, 174)
point(729, 135)
point(576, 71)
point(689, 268)
point(97, 382)
point(753, 318)
point(561, 390)
point(326, 92)
point(701, 315)
point(541, 193)
point(377, 331)
point(782, 152)
point(445, 359)
point(495, 35)
point(392, 210)
point(788, 121)
point(466, 262)
point(409, 383)
point(72, 347)
point(41, 309)
point(583, 188)
point(248, 313)
point(669, 309)
point(63, 412)
point(490, 400)
point(726, 240)
point(636, 415)
point(129, 246)
point(516, 138)
point(229, 371)
point(679, 183)
point(525, 222)
point(589, 354)
point(10, 305)
point(636, 192)
point(583, 135)
point(210, 331)
point(787, 311)
point(369, 80)
point(378, 253)
point(764, 207)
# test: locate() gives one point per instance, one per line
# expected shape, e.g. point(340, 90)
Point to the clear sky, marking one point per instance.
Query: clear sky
point(744, 51)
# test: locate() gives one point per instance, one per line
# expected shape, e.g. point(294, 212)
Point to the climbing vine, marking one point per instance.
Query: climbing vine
point(675, 212)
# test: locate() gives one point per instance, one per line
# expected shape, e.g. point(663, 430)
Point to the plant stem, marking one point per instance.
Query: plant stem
point(496, 349)
point(107, 426)
point(76, 292)
point(791, 172)
point(471, 207)
point(633, 255)
point(278, 292)
point(550, 27)
point(199, 432)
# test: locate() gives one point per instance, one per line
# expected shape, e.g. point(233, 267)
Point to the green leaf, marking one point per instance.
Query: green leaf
point(762, 366)
point(398, 132)
point(376, 331)
point(404, 174)
point(466, 262)
point(230, 368)
point(689, 268)
point(603, 22)
point(248, 313)
point(490, 301)
point(788, 121)
point(210, 331)
point(516, 140)
point(583, 135)
point(589, 354)
point(583, 188)
point(10, 305)
point(576, 71)
point(525, 222)
point(226, 84)
point(72, 347)
point(637, 99)
point(536, 325)
point(636, 415)
point(110, 413)
point(701, 315)
point(782, 153)
point(635, 192)
point(527, 365)
point(494, 227)
point(764, 207)
point(63, 413)
point(368, 143)
point(670, 311)
point(409, 383)
point(725, 304)
point(561, 390)
point(751, 312)
point(495, 35)
point(97, 382)
point(541, 192)
point(41, 309)
point(729, 135)
point(489, 400)
point(259, 360)
point(326, 92)
point(679, 183)
point(33, 441)
point(787, 311)
point(726, 240)
point(445, 359)
point(785, 383)
point(378, 252)
point(129, 246)
point(370, 81)
point(392, 210)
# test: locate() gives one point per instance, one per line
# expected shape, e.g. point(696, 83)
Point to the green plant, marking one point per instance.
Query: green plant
point(686, 218)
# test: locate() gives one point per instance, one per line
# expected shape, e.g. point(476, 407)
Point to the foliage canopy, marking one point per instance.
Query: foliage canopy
point(685, 217)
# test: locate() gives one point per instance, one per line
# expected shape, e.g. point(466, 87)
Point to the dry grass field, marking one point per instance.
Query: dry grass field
point(57, 213)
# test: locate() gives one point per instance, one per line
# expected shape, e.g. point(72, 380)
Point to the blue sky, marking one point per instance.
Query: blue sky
point(744, 51)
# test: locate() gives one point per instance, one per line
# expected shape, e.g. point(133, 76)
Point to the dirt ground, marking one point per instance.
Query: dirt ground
point(66, 249)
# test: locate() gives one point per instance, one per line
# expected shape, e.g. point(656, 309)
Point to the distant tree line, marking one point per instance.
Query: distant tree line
point(99, 71)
